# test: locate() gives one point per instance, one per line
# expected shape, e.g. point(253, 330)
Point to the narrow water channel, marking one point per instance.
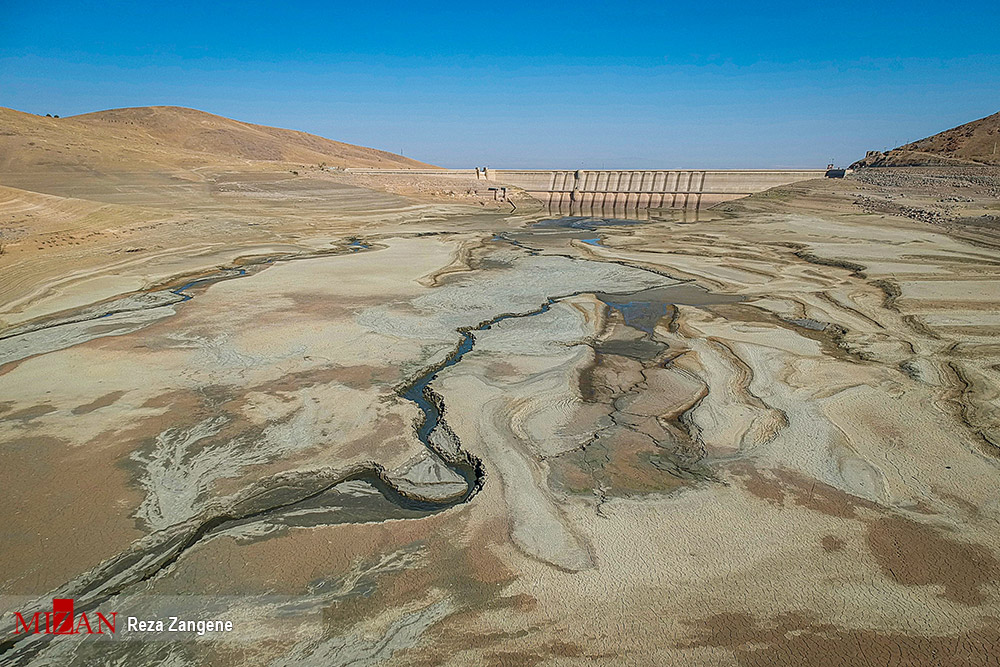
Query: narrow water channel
point(316, 502)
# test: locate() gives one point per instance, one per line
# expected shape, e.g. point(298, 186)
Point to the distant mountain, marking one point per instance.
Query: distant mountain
point(144, 138)
point(977, 142)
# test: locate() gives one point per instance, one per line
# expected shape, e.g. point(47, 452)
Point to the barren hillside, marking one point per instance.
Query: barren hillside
point(977, 142)
point(165, 138)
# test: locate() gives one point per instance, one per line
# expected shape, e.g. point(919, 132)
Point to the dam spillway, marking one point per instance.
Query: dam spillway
point(690, 189)
point(635, 188)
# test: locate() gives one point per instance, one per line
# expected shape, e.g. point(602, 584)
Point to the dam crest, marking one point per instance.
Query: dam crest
point(690, 189)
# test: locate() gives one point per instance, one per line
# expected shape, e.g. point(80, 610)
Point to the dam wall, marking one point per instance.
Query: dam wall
point(585, 189)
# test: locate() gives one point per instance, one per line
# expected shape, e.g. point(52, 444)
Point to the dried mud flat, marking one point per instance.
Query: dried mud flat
point(434, 435)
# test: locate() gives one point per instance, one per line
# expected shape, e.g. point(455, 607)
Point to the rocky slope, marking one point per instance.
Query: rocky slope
point(971, 143)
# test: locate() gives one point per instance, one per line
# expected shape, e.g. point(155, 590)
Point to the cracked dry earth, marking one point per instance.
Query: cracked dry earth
point(768, 436)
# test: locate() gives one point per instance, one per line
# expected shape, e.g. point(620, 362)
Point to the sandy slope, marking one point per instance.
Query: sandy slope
point(166, 137)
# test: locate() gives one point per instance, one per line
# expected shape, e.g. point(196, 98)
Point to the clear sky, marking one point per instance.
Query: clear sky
point(553, 84)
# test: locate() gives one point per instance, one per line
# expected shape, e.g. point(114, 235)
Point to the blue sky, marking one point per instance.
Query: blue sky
point(584, 84)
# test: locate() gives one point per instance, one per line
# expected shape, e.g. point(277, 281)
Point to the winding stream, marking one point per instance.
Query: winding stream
point(315, 499)
point(144, 562)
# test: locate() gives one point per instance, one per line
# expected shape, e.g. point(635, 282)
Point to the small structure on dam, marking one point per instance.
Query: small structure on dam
point(590, 189)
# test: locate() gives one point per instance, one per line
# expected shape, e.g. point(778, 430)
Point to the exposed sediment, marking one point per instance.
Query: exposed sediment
point(660, 461)
point(443, 477)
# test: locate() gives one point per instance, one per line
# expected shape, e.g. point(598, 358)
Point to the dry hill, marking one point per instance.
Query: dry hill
point(977, 142)
point(117, 200)
point(165, 138)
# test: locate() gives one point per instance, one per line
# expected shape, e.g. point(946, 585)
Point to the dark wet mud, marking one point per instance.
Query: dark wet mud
point(644, 309)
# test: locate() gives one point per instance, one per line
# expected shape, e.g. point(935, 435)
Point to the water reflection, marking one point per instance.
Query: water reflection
point(621, 212)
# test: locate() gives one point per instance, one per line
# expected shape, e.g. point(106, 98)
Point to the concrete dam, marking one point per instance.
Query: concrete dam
point(595, 189)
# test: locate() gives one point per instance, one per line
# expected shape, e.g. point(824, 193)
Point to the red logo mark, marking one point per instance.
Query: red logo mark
point(62, 621)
